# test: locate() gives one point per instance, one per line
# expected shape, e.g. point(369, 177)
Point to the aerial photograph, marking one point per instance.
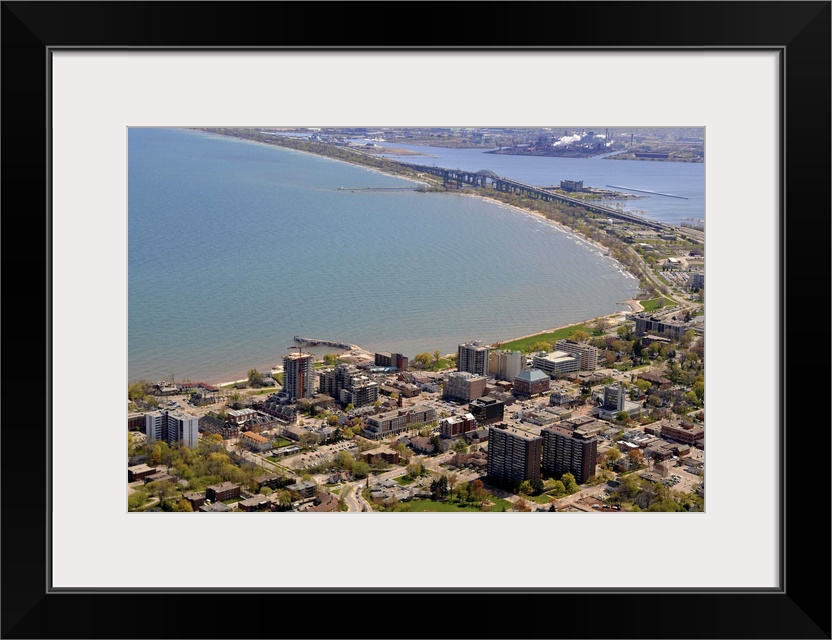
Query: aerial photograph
point(416, 319)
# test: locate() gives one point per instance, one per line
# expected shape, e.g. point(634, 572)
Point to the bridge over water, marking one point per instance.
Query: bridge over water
point(486, 179)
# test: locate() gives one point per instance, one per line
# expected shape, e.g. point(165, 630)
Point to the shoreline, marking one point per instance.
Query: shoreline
point(633, 304)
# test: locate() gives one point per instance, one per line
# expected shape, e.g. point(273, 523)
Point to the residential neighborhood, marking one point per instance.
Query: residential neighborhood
point(607, 417)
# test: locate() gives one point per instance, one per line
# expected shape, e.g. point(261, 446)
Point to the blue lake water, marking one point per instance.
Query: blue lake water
point(235, 247)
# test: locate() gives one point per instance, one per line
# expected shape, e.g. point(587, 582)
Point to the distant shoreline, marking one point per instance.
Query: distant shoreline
point(634, 305)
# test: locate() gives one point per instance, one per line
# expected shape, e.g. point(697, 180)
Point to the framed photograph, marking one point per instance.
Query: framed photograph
point(80, 77)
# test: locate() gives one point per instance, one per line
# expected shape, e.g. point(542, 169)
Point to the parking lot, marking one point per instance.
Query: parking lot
point(324, 453)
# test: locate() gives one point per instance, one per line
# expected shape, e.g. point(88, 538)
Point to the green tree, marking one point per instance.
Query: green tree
point(136, 500)
point(436, 442)
point(139, 390)
point(569, 483)
point(611, 455)
point(423, 359)
point(183, 505)
point(255, 378)
point(636, 457)
point(579, 335)
point(452, 480)
point(558, 489)
point(439, 487)
point(460, 446)
point(360, 469)
point(699, 389)
point(525, 488)
point(399, 447)
point(415, 469)
point(436, 356)
point(283, 497)
point(643, 385)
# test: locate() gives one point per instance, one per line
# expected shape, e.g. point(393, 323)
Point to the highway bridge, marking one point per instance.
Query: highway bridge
point(489, 180)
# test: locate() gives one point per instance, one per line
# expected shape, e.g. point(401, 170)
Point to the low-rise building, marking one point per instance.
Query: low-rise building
point(380, 454)
point(139, 472)
point(654, 378)
point(305, 489)
point(239, 417)
point(195, 499)
point(557, 363)
point(255, 503)
point(222, 491)
point(218, 507)
point(255, 441)
point(487, 410)
point(422, 445)
point(684, 431)
point(530, 383)
point(391, 423)
point(454, 426)
point(324, 502)
point(658, 323)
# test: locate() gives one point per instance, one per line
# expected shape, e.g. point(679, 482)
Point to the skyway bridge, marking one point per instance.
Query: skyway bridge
point(489, 180)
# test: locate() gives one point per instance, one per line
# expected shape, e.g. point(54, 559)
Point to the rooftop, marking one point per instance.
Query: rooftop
point(532, 375)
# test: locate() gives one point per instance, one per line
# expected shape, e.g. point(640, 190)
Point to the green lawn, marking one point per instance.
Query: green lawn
point(526, 344)
point(281, 442)
point(233, 500)
point(422, 505)
point(655, 303)
point(404, 480)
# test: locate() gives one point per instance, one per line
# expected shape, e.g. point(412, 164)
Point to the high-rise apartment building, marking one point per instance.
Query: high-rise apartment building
point(298, 375)
point(346, 384)
point(588, 353)
point(569, 451)
point(463, 386)
point(172, 426)
point(514, 455)
point(473, 358)
point(361, 392)
point(506, 365)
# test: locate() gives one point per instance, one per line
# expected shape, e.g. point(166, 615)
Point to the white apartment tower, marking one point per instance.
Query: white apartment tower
point(507, 365)
point(172, 426)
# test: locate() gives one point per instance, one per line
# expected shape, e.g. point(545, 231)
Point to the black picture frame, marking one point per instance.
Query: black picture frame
point(800, 31)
